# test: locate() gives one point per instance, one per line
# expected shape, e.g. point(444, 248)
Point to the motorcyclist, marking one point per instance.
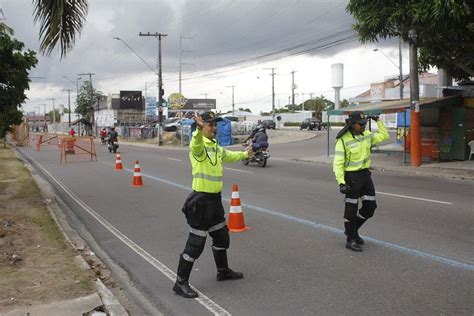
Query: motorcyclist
point(103, 135)
point(113, 138)
point(259, 138)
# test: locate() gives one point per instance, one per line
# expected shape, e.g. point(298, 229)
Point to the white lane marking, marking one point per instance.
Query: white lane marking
point(174, 159)
point(413, 197)
point(205, 301)
point(238, 170)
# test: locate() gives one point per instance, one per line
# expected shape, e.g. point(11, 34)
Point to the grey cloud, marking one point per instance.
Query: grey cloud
point(225, 32)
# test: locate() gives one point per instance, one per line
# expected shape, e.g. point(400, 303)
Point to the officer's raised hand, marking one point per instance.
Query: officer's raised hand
point(199, 121)
point(344, 188)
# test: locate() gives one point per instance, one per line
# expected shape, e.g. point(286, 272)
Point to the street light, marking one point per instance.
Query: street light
point(399, 66)
point(130, 47)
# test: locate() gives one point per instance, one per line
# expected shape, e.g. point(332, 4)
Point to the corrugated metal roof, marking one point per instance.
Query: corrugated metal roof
point(396, 106)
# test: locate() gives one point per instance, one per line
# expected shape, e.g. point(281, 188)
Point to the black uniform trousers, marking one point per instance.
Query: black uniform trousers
point(362, 188)
point(205, 214)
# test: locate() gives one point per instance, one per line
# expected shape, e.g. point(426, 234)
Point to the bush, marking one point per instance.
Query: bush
point(291, 124)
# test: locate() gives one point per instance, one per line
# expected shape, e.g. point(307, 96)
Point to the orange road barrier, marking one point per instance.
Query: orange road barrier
point(45, 138)
point(236, 222)
point(118, 163)
point(78, 148)
point(137, 176)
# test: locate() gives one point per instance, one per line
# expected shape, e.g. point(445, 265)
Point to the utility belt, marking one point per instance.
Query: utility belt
point(195, 204)
point(360, 171)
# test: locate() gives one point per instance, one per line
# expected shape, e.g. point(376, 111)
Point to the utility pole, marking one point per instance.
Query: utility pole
point(158, 36)
point(273, 91)
point(92, 99)
point(233, 104)
point(68, 104)
point(400, 66)
point(293, 87)
point(415, 128)
point(181, 51)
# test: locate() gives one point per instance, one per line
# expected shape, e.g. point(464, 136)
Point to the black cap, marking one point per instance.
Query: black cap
point(209, 116)
point(357, 117)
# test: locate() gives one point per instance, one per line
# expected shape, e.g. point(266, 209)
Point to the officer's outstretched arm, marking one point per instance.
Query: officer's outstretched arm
point(381, 134)
point(233, 156)
point(196, 147)
point(338, 163)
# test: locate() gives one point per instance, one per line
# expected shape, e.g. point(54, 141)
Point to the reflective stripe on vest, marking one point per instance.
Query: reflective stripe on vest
point(206, 177)
point(356, 163)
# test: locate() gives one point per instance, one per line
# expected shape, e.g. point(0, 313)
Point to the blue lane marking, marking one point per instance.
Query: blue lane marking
point(425, 255)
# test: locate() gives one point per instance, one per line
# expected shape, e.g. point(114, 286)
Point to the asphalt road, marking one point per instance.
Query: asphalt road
point(418, 257)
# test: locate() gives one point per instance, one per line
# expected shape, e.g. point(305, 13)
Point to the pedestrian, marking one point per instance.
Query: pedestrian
point(72, 132)
point(351, 167)
point(203, 207)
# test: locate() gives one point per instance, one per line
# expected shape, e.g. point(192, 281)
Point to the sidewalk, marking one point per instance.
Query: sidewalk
point(393, 162)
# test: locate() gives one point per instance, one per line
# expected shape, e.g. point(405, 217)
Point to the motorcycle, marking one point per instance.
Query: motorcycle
point(260, 156)
point(112, 146)
point(104, 140)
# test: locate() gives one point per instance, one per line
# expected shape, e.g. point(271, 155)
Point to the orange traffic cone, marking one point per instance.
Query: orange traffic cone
point(236, 222)
point(118, 163)
point(137, 176)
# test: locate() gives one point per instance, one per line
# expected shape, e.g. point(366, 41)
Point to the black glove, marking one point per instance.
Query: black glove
point(344, 188)
point(373, 117)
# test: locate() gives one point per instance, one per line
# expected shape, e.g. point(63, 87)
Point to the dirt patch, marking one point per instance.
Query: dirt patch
point(36, 263)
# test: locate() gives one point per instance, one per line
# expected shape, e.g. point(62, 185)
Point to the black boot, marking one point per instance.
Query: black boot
point(223, 271)
point(358, 239)
point(181, 286)
point(228, 274)
point(353, 245)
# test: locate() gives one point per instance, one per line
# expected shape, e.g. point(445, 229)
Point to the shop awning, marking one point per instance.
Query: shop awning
point(384, 107)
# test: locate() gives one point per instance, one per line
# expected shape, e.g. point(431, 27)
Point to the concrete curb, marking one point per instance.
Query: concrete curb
point(110, 302)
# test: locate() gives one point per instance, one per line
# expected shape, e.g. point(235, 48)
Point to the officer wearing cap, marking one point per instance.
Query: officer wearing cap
point(351, 167)
point(203, 207)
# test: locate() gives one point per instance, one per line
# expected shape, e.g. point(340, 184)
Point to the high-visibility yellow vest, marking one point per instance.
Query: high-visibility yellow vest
point(206, 160)
point(352, 152)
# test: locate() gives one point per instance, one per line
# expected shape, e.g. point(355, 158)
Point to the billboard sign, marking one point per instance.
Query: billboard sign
point(200, 104)
point(131, 100)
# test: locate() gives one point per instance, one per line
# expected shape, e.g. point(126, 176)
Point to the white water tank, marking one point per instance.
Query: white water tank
point(61, 109)
point(337, 75)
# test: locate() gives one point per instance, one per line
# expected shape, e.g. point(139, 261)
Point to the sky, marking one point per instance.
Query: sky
point(223, 43)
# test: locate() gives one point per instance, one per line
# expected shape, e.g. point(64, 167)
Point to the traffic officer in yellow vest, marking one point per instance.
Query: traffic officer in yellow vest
point(203, 207)
point(351, 167)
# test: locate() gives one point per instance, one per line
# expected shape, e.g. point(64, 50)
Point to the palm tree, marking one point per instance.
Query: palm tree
point(60, 21)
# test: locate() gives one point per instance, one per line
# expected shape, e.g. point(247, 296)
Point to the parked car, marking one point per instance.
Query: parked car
point(312, 124)
point(269, 124)
point(171, 124)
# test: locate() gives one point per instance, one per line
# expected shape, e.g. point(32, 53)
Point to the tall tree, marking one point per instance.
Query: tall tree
point(60, 22)
point(444, 28)
point(318, 105)
point(14, 66)
point(85, 105)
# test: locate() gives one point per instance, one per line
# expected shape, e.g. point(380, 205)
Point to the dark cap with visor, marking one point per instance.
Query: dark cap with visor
point(357, 117)
point(209, 117)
